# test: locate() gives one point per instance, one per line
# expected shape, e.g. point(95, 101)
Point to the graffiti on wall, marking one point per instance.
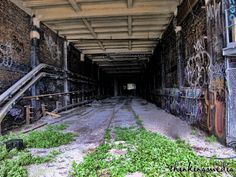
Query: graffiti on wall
point(53, 48)
point(6, 55)
point(188, 104)
point(10, 54)
point(196, 71)
point(215, 97)
point(214, 13)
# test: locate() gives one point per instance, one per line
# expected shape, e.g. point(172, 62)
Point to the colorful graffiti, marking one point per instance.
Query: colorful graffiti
point(216, 112)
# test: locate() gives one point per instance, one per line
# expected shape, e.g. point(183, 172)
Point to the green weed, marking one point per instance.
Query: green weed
point(147, 152)
point(13, 163)
point(211, 139)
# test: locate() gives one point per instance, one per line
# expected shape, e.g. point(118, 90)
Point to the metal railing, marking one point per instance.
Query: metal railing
point(9, 98)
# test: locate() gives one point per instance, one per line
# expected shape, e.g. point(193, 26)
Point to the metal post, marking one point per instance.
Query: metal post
point(82, 99)
point(115, 87)
point(35, 36)
point(99, 89)
point(66, 87)
point(162, 72)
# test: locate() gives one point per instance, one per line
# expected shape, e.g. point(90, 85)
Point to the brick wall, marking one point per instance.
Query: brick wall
point(14, 44)
point(15, 62)
point(50, 47)
point(169, 54)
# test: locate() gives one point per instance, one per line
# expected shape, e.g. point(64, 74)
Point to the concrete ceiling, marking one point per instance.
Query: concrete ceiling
point(115, 33)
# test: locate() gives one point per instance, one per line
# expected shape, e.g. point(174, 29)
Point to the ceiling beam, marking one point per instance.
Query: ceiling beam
point(130, 25)
point(129, 3)
point(118, 36)
point(93, 33)
point(122, 69)
point(130, 45)
point(76, 8)
point(111, 30)
point(66, 13)
point(115, 46)
point(120, 51)
point(74, 5)
point(54, 3)
point(124, 72)
point(118, 60)
point(120, 64)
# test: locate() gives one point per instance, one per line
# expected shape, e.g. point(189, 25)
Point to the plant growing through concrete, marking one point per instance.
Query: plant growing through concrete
point(52, 136)
point(148, 153)
point(193, 132)
point(107, 135)
point(211, 139)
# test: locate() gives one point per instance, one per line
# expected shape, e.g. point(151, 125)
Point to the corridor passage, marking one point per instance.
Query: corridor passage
point(117, 88)
point(91, 122)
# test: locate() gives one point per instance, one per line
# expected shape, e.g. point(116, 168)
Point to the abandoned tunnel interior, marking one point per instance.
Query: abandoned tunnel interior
point(177, 56)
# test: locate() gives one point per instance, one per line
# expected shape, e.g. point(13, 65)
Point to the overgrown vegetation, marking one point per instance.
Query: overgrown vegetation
point(193, 132)
point(52, 136)
point(107, 135)
point(139, 121)
point(211, 139)
point(13, 163)
point(148, 153)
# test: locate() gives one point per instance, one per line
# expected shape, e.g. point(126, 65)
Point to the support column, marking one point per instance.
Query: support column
point(179, 46)
point(66, 86)
point(34, 36)
point(162, 72)
point(82, 99)
point(99, 85)
point(154, 80)
point(115, 87)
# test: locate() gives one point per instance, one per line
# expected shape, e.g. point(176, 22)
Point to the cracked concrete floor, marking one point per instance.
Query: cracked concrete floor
point(90, 130)
point(89, 124)
point(157, 120)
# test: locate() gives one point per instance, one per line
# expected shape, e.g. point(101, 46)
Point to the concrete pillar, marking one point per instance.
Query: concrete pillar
point(66, 85)
point(34, 36)
point(115, 87)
